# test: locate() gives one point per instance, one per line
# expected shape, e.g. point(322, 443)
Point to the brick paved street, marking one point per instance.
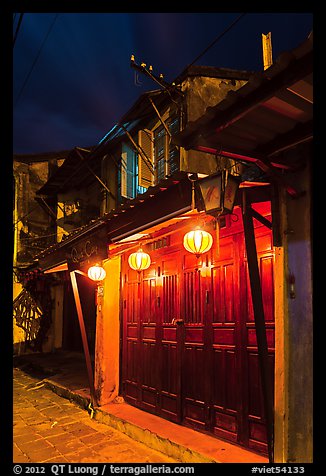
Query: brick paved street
point(49, 428)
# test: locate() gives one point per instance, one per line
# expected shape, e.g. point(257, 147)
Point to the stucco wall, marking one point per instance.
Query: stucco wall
point(294, 327)
point(107, 335)
point(203, 92)
point(18, 332)
point(31, 221)
point(300, 324)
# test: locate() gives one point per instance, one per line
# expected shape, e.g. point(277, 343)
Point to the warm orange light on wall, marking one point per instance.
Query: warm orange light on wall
point(96, 273)
point(139, 260)
point(197, 241)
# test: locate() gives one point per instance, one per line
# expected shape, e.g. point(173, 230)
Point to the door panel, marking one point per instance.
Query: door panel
point(194, 362)
point(131, 342)
point(170, 388)
point(256, 424)
point(223, 330)
point(148, 342)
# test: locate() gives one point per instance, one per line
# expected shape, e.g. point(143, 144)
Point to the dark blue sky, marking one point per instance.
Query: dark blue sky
point(73, 83)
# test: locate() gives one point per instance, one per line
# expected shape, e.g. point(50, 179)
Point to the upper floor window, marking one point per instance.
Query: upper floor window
point(158, 157)
point(160, 153)
point(155, 159)
point(174, 154)
point(129, 182)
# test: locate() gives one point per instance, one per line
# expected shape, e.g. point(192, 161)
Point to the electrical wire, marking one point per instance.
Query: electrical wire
point(18, 26)
point(24, 216)
point(32, 238)
point(218, 38)
point(36, 58)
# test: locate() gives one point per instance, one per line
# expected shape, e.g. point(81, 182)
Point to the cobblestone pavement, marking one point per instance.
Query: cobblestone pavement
point(49, 428)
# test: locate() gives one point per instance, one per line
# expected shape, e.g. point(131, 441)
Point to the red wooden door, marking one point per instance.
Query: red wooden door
point(189, 346)
point(131, 331)
point(170, 335)
point(195, 367)
point(151, 339)
point(225, 342)
point(255, 436)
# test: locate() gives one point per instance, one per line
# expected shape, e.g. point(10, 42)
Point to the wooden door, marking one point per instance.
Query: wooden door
point(195, 366)
point(225, 399)
point(151, 339)
point(170, 336)
point(255, 436)
point(131, 376)
point(149, 320)
point(189, 344)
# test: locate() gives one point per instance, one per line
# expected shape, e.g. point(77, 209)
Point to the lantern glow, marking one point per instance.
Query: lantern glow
point(197, 241)
point(96, 273)
point(139, 260)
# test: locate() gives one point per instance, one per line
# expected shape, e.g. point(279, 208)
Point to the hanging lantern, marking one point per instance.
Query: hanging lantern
point(197, 241)
point(96, 273)
point(139, 260)
point(218, 192)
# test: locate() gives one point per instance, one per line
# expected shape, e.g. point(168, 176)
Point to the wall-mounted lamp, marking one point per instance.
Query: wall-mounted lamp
point(96, 273)
point(217, 192)
point(139, 260)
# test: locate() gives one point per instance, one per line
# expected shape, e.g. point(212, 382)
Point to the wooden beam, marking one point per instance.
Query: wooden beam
point(159, 116)
point(268, 87)
point(264, 164)
point(84, 337)
point(302, 132)
point(261, 219)
point(139, 149)
point(258, 308)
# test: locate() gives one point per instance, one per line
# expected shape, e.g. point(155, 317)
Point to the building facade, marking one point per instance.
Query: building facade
point(35, 229)
point(220, 341)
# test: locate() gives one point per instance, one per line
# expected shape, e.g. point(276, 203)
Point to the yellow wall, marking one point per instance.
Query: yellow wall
point(106, 375)
point(18, 332)
point(58, 316)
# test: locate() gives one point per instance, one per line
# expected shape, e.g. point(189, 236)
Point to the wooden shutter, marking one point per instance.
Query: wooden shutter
point(124, 175)
point(128, 172)
point(145, 158)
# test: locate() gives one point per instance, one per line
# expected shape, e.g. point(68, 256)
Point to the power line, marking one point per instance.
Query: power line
point(218, 38)
point(24, 216)
point(18, 26)
point(36, 58)
point(33, 238)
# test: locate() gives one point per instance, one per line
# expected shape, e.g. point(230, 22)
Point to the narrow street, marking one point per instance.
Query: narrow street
point(49, 428)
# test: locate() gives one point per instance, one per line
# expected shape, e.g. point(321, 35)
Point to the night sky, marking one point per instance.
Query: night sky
point(72, 79)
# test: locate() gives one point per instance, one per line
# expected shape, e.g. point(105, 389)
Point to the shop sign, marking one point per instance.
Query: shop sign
point(86, 252)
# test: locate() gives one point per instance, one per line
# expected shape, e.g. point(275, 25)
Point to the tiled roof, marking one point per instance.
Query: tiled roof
point(213, 72)
point(107, 217)
point(41, 157)
point(62, 176)
point(272, 109)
